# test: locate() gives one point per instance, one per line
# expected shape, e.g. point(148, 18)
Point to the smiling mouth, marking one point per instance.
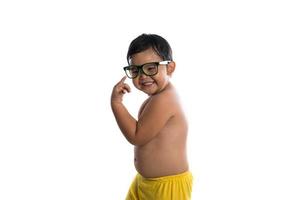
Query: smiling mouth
point(147, 83)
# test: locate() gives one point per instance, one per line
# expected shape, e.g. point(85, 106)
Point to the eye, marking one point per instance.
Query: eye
point(150, 67)
point(133, 71)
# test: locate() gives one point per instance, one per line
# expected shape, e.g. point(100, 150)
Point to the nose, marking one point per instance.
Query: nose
point(141, 74)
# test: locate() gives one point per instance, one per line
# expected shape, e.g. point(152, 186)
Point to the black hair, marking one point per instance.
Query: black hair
point(146, 41)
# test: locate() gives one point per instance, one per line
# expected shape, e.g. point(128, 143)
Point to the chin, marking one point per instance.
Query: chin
point(148, 92)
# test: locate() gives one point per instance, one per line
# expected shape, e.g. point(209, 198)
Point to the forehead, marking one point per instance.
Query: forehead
point(146, 56)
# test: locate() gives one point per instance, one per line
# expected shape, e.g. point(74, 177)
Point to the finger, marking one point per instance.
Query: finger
point(123, 79)
point(127, 87)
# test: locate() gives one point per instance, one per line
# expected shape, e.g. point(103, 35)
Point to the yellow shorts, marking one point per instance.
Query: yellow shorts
point(175, 187)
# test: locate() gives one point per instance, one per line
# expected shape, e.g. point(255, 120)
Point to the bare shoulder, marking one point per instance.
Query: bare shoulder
point(167, 96)
point(143, 106)
point(157, 110)
point(166, 101)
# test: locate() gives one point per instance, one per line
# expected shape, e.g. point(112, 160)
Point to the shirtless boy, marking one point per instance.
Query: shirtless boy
point(159, 134)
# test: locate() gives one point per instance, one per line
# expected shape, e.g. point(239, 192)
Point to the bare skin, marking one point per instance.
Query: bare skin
point(160, 133)
point(165, 154)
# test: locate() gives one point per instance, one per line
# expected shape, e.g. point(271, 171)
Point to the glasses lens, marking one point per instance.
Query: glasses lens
point(132, 71)
point(150, 69)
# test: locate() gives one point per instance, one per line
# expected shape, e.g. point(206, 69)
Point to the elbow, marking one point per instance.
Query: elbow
point(138, 143)
point(131, 141)
point(137, 140)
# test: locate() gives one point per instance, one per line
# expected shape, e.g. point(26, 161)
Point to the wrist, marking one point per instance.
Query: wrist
point(115, 102)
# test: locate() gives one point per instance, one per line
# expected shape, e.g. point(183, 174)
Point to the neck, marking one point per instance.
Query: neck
point(167, 87)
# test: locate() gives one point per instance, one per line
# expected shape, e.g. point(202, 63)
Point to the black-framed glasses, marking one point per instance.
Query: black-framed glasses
point(149, 69)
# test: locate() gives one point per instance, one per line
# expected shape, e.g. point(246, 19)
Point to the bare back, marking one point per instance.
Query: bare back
point(165, 154)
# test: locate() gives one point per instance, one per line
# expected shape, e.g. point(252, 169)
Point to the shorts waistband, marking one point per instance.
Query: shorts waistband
point(167, 178)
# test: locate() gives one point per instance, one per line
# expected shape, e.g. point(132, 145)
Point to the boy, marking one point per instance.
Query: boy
point(159, 135)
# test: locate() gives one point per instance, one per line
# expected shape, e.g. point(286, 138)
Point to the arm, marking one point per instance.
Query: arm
point(156, 113)
point(125, 121)
point(153, 117)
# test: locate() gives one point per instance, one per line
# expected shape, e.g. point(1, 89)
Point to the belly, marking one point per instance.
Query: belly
point(153, 161)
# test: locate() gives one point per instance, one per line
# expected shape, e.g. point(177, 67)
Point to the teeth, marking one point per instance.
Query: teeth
point(148, 83)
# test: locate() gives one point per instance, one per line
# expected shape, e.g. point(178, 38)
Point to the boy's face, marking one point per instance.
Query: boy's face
point(151, 84)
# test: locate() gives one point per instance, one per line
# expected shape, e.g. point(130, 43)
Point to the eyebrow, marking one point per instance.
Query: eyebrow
point(146, 63)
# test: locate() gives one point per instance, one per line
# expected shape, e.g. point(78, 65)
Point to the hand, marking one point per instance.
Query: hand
point(119, 90)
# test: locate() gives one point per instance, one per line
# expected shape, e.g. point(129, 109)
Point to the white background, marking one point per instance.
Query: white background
point(237, 73)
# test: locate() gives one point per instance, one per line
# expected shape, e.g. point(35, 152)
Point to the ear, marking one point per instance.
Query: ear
point(171, 68)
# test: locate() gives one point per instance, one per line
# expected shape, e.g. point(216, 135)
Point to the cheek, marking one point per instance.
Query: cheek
point(135, 83)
